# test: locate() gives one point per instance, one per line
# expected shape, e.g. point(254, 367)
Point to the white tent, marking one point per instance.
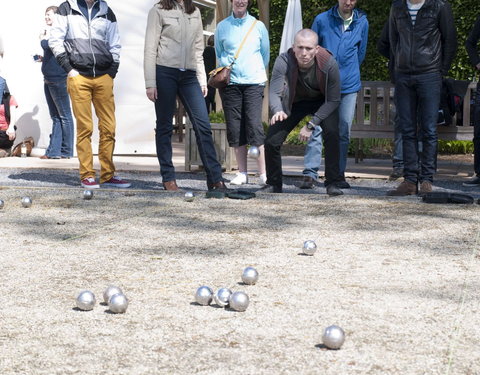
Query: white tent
point(292, 24)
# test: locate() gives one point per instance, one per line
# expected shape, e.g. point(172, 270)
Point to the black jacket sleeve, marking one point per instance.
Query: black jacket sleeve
point(472, 43)
point(383, 43)
point(449, 37)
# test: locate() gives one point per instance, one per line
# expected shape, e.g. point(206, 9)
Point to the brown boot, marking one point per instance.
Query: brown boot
point(171, 185)
point(425, 187)
point(405, 188)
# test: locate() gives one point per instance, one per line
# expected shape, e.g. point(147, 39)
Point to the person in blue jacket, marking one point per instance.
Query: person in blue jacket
point(55, 87)
point(343, 30)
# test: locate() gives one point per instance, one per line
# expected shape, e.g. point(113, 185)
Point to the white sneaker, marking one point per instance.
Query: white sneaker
point(240, 179)
point(263, 179)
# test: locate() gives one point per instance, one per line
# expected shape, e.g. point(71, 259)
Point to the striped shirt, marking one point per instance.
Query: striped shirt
point(413, 10)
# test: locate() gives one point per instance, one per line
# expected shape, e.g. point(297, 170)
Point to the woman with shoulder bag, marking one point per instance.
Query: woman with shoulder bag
point(242, 40)
point(173, 65)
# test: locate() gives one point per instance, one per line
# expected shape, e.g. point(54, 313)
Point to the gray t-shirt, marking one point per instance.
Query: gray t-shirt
point(307, 85)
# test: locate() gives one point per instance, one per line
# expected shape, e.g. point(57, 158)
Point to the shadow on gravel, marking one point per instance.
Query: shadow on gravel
point(323, 347)
point(51, 178)
point(80, 310)
point(147, 185)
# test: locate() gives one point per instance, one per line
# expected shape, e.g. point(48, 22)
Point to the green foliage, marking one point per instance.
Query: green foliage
point(292, 138)
point(374, 67)
point(217, 117)
point(372, 146)
point(455, 147)
point(384, 147)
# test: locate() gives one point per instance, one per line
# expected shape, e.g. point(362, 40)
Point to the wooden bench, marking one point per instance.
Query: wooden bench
point(225, 153)
point(376, 97)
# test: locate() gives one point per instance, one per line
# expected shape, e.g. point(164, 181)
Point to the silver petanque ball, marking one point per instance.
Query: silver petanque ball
point(110, 291)
point(189, 196)
point(222, 296)
point(118, 303)
point(309, 247)
point(26, 202)
point(253, 152)
point(204, 295)
point(87, 195)
point(239, 301)
point(2, 204)
point(249, 276)
point(86, 300)
point(333, 337)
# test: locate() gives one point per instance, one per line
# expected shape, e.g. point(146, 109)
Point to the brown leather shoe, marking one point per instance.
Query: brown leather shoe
point(220, 185)
point(171, 185)
point(425, 187)
point(307, 183)
point(405, 188)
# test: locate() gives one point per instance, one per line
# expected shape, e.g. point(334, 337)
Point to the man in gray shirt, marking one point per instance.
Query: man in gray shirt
point(305, 81)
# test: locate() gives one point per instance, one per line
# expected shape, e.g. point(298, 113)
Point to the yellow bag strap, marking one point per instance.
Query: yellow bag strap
point(215, 71)
point(244, 40)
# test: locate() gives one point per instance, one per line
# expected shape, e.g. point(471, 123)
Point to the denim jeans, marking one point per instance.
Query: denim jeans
point(170, 83)
point(278, 132)
point(2, 85)
point(398, 144)
point(397, 156)
point(313, 151)
point(313, 154)
point(61, 138)
point(418, 100)
point(476, 132)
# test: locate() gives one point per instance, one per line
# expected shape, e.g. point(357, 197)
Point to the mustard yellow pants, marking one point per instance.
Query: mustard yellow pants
point(83, 92)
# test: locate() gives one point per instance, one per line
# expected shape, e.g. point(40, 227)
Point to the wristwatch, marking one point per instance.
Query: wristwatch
point(311, 126)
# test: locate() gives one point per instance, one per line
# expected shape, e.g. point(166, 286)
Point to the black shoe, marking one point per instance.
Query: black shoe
point(307, 183)
point(272, 189)
point(474, 181)
point(218, 186)
point(333, 190)
point(342, 185)
point(396, 174)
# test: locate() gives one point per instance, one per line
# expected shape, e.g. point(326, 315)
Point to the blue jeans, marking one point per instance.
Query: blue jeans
point(313, 151)
point(170, 83)
point(2, 86)
point(61, 138)
point(418, 99)
point(398, 144)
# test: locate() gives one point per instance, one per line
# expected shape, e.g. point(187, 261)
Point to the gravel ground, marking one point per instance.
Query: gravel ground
point(400, 276)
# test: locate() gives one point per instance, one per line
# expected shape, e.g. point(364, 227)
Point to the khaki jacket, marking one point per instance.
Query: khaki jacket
point(173, 39)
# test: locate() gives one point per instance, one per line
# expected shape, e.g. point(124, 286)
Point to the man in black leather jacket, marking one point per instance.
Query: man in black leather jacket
point(423, 44)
